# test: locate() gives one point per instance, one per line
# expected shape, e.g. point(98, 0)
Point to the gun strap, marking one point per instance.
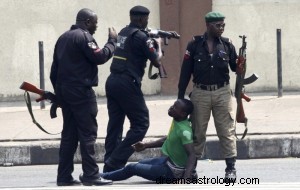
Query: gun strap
point(245, 131)
point(29, 107)
point(150, 75)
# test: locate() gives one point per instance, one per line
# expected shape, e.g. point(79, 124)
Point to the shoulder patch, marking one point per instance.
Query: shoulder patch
point(196, 38)
point(92, 45)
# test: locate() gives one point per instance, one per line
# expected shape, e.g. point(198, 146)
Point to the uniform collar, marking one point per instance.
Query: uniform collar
point(74, 27)
point(205, 38)
point(135, 26)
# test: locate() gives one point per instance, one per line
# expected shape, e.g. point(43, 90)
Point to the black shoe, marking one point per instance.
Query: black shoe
point(230, 174)
point(96, 181)
point(68, 183)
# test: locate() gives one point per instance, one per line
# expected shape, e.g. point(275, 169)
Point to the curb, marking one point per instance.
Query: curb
point(256, 146)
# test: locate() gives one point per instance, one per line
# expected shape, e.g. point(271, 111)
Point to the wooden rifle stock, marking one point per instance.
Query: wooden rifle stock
point(240, 113)
point(31, 88)
point(45, 95)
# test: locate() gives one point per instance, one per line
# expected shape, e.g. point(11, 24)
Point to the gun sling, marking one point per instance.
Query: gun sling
point(29, 107)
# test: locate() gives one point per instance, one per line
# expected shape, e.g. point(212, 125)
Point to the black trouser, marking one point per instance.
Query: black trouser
point(124, 98)
point(79, 109)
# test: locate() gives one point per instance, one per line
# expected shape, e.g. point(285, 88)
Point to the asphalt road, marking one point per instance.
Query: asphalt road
point(252, 174)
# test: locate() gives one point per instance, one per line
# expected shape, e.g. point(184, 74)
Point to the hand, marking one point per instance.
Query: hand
point(112, 34)
point(139, 146)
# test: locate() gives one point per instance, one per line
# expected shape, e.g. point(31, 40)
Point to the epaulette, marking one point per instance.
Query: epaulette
point(197, 38)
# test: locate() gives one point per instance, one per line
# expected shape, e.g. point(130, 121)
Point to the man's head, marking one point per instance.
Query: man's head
point(215, 23)
point(139, 15)
point(181, 109)
point(87, 19)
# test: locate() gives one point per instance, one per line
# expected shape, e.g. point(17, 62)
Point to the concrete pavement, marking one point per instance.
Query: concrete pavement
point(274, 130)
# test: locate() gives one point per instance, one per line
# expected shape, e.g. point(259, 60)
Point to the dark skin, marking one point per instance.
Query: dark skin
point(89, 20)
point(142, 22)
point(175, 111)
point(214, 30)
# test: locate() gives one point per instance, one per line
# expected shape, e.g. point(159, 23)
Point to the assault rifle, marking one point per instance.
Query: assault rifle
point(44, 95)
point(166, 35)
point(239, 85)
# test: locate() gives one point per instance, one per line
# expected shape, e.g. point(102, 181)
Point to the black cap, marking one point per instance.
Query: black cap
point(139, 10)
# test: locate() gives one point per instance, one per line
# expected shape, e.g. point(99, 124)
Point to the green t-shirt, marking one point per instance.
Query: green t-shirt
point(180, 134)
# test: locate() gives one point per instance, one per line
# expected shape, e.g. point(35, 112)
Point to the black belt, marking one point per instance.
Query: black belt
point(212, 87)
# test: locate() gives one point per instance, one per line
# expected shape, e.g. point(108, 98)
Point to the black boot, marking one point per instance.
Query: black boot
point(230, 171)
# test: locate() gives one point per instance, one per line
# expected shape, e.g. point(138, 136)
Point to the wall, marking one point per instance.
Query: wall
point(185, 17)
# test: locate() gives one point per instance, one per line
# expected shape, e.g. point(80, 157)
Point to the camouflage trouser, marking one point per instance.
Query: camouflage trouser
point(219, 102)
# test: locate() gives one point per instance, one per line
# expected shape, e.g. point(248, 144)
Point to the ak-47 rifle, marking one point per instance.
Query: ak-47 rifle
point(239, 85)
point(45, 95)
point(166, 35)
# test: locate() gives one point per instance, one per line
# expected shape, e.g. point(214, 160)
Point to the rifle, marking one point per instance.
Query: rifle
point(239, 85)
point(166, 35)
point(44, 95)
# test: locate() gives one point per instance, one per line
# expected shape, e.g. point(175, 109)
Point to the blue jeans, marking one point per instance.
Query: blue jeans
point(152, 169)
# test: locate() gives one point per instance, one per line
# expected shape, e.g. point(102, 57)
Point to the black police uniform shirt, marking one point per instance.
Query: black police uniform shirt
point(207, 69)
point(134, 48)
point(76, 56)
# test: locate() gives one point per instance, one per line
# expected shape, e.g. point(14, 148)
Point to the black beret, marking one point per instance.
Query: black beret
point(139, 10)
point(214, 17)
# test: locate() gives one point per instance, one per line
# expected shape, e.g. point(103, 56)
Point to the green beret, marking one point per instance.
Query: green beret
point(214, 16)
point(139, 10)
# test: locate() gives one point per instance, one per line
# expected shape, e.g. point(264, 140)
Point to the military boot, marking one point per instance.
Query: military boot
point(230, 171)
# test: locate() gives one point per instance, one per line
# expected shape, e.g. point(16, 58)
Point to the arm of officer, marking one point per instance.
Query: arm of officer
point(152, 49)
point(54, 67)
point(97, 55)
point(156, 62)
point(232, 58)
point(140, 146)
point(186, 71)
point(190, 163)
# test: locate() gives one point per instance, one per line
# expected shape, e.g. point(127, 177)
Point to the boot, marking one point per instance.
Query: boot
point(230, 171)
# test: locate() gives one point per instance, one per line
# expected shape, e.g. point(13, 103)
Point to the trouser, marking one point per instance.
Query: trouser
point(154, 169)
point(124, 98)
point(79, 109)
point(219, 102)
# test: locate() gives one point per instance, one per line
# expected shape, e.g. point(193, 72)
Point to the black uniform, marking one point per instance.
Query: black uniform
point(73, 73)
point(207, 69)
point(124, 95)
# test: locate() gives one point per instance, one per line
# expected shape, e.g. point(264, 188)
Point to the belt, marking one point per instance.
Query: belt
point(212, 87)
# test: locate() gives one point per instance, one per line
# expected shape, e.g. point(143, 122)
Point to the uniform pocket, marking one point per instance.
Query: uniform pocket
point(222, 59)
point(201, 63)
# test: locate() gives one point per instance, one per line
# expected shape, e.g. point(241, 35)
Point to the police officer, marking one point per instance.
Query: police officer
point(207, 58)
point(73, 74)
point(123, 89)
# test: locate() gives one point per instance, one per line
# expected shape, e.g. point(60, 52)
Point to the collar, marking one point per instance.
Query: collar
point(205, 36)
point(74, 27)
point(135, 26)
